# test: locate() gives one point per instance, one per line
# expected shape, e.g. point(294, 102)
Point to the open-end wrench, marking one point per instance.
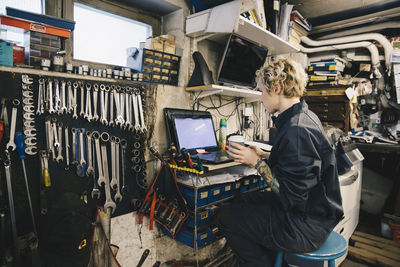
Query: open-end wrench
point(7, 164)
point(50, 96)
point(136, 111)
point(11, 144)
point(26, 79)
point(113, 182)
point(55, 133)
point(82, 112)
point(63, 108)
point(95, 97)
point(73, 130)
point(59, 156)
point(89, 149)
point(118, 196)
point(74, 102)
point(70, 107)
point(82, 160)
point(96, 137)
point(57, 99)
point(111, 120)
point(143, 126)
point(128, 122)
point(110, 204)
point(123, 144)
point(40, 106)
point(47, 125)
point(106, 91)
point(122, 107)
point(95, 191)
point(103, 118)
point(66, 133)
point(118, 118)
point(88, 106)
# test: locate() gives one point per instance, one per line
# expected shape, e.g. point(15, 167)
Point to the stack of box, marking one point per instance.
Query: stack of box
point(41, 46)
point(163, 43)
point(324, 73)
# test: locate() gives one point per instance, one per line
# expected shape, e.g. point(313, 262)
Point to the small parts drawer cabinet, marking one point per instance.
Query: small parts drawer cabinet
point(331, 109)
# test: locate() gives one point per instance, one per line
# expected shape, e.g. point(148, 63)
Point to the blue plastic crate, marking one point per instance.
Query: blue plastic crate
point(188, 194)
point(228, 190)
point(215, 193)
point(203, 217)
point(205, 236)
point(245, 184)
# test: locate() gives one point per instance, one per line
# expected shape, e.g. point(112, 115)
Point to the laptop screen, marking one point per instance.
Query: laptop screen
point(195, 133)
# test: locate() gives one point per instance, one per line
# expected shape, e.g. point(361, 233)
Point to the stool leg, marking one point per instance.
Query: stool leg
point(331, 263)
point(278, 260)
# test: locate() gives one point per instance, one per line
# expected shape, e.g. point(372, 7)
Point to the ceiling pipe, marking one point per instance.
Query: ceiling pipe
point(355, 38)
point(370, 46)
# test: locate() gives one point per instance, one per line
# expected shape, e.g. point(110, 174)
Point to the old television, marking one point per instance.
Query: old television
point(240, 61)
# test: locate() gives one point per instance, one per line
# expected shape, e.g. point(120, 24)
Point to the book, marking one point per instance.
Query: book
point(322, 83)
point(299, 19)
point(284, 22)
point(324, 73)
point(339, 67)
point(316, 78)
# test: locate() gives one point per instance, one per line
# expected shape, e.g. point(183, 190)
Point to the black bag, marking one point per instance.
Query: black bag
point(66, 232)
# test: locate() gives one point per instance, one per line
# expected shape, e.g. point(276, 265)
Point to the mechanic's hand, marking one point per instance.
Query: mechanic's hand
point(263, 154)
point(242, 154)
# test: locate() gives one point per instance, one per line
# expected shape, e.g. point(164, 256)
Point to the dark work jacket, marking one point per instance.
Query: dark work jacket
point(309, 204)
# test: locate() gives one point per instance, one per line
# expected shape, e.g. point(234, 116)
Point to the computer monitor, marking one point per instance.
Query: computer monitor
point(240, 62)
point(190, 129)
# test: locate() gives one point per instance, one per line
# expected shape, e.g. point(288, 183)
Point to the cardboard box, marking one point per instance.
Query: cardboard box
point(154, 44)
point(168, 48)
point(19, 54)
point(169, 38)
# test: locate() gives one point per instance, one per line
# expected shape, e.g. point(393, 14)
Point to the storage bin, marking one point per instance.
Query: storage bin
point(205, 236)
point(204, 217)
point(374, 191)
point(188, 194)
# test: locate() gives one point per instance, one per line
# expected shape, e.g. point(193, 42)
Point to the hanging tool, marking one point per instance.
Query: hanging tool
point(143, 258)
point(11, 143)
point(19, 139)
point(1, 130)
point(7, 166)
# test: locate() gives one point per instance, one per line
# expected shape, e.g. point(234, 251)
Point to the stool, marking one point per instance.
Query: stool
point(334, 247)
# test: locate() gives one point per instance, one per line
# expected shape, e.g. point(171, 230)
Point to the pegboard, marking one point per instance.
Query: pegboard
point(63, 179)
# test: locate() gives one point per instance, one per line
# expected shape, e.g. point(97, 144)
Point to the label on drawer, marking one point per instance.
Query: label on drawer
point(246, 182)
point(204, 215)
point(203, 236)
point(227, 188)
point(204, 195)
point(216, 191)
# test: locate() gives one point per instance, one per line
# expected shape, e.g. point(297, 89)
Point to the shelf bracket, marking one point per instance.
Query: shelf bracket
point(205, 93)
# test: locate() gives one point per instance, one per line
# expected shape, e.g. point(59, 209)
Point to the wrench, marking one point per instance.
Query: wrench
point(82, 160)
point(95, 96)
point(95, 191)
point(59, 156)
point(31, 150)
point(57, 99)
point(123, 144)
point(118, 196)
point(111, 120)
point(73, 130)
point(70, 107)
point(96, 137)
point(7, 164)
point(118, 119)
point(27, 93)
point(28, 101)
point(74, 101)
point(49, 138)
point(82, 112)
point(113, 183)
point(128, 117)
point(103, 118)
point(29, 108)
point(136, 111)
point(30, 132)
point(88, 107)
point(110, 204)
point(50, 96)
point(27, 87)
point(55, 133)
point(26, 79)
point(122, 107)
point(40, 105)
point(89, 146)
point(63, 96)
point(27, 117)
point(143, 126)
point(11, 143)
point(106, 90)
point(29, 124)
point(66, 133)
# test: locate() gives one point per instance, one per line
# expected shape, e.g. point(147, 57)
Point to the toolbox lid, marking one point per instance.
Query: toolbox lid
point(46, 19)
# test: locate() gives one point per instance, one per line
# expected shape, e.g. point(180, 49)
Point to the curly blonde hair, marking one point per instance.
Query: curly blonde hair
point(288, 74)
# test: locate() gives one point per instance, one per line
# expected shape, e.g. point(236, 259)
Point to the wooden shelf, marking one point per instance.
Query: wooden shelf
point(213, 89)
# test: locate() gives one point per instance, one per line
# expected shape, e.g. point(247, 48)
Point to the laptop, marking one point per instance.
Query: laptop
point(194, 130)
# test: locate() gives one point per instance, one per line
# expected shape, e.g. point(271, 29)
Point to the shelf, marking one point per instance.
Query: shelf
point(62, 75)
point(213, 89)
point(208, 25)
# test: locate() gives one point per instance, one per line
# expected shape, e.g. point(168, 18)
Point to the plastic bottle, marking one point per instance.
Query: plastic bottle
point(222, 134)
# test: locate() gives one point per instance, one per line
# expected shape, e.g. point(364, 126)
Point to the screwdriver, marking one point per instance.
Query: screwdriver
point(19, 140)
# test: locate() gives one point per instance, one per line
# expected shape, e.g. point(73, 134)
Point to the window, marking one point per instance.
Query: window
point(103, 37)
point(12, 34)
